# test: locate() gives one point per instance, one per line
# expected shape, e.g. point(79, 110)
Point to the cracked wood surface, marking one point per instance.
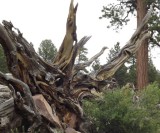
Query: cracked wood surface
point(60, 83)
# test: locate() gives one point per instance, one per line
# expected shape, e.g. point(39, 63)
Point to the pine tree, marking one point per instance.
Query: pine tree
point(121, 75)
point(47, 50)
point(82, 55)
point(118, 14)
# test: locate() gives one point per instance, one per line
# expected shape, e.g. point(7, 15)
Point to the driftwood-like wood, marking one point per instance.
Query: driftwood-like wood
point(47, 97)
point(129, 49)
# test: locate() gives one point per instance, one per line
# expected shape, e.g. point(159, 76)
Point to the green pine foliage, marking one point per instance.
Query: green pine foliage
point(123, 70)
point(152, 72)
point(119, 12)
point(82, 55)
point(128, 70)
point(47, 50)
point(117, 112)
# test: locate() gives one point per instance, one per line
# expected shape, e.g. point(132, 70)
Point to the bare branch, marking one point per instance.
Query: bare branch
point(81, 66)
point(62, 90)
point(65, 52)
point(130, 48)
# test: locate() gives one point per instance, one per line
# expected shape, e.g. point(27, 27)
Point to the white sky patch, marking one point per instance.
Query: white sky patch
point(46, 19)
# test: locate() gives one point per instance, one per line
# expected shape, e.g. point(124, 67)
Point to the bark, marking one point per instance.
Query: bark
point(48, 97)
point(129, 49)
point(142, 54)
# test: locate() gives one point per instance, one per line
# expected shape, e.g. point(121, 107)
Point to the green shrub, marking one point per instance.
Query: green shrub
point(117, 113)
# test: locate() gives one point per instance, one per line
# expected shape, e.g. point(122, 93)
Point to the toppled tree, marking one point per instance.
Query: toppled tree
point(47, 97)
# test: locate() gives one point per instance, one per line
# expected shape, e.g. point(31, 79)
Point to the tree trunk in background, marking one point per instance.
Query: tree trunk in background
point(47, 98)
point(142, 54)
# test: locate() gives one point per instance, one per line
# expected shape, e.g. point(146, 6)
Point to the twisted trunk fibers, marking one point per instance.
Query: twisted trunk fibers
point(48, 96)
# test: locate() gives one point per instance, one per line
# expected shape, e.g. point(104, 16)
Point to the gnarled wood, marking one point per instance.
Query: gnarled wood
point(58, 86)
point(129, 49)
point(83, 65)
point(66, 50)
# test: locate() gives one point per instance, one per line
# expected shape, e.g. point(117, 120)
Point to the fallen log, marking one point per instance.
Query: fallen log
point(48, 97)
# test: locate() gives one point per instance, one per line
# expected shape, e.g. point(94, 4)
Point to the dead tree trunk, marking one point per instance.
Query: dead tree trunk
point(47, 97)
